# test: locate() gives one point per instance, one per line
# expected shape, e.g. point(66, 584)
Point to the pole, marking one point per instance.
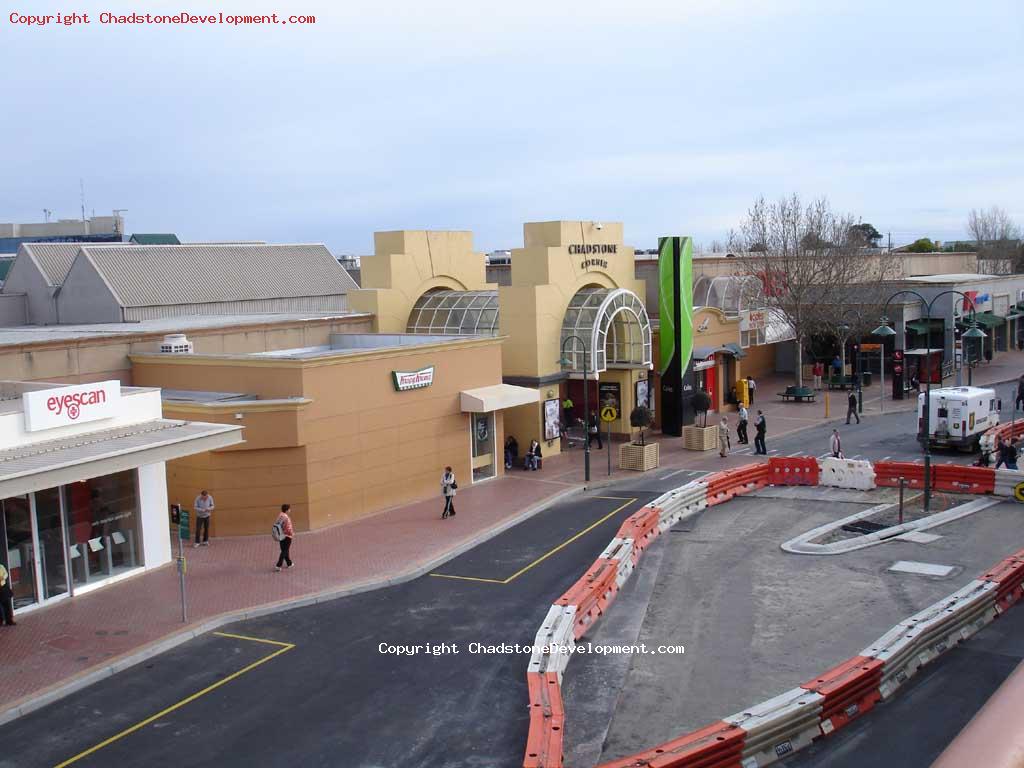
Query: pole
point(881, 377)
point(928, 414)
point(608, 448)
point(586, 418)
point(826, 403)
point(181, 578)
point(860, 381)
point(902, 483)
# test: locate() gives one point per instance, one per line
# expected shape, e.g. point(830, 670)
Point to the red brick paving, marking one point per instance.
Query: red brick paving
point(58, 642)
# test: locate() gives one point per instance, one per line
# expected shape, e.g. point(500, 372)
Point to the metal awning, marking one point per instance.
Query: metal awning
point(730, 348)
point(921, 326)
point(985, 320)
point(67, 460)
point(496, 397)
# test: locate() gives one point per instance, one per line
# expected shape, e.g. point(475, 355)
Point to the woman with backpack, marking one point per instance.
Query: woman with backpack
point(448, 488)
point(283, 532)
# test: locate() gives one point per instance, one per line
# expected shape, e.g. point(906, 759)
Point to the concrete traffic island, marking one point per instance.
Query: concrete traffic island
point(760, 624)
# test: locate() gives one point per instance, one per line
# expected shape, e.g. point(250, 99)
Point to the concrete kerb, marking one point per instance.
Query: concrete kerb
point(84, 679)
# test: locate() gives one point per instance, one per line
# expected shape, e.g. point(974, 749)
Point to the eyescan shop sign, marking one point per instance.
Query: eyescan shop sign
point(59, 407)
point(406, 380)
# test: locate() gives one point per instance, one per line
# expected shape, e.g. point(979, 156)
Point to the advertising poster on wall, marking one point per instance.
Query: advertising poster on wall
point(551, 422)
point(609, 393)
point(644, 396)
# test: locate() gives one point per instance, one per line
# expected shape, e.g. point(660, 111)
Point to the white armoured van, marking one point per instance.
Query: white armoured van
point(959, 416)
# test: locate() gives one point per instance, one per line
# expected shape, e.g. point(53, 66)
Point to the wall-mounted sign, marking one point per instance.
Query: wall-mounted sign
point(551, 419)
point(609, 394)
point(592, 248)
point(406, 380)
point(753, 320)
point(60, 407)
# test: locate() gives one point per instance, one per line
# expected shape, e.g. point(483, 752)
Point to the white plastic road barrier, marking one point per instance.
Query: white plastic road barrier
point(779, 726)
point(1010, 484)
point(928, 634)
point(846, 473)
point(552, 647)
point(681, 503)
point(621, 551)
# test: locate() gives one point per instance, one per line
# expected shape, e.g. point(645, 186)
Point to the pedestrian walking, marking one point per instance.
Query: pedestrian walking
point(751, 388)
point(741, 427)
point(851, 407)
point(1019, 402)
point(567, 409)
point(836, 445)
point(594, 430)
point(283, 532)
point(1012, 453)
point(1000, 452)
point(203, 506)
point(723, 438)
point(448, 489)
point(819, 371)
point(837, 368)
point(6, 598)
point(760, 430)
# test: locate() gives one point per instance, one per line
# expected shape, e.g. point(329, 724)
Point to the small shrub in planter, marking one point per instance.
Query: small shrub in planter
point(701, 405)
point(641, 418)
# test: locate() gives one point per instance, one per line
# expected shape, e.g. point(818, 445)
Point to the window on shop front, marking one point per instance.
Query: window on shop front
point(103, 526)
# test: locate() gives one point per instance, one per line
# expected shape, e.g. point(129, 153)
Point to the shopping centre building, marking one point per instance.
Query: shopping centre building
point(83, 484)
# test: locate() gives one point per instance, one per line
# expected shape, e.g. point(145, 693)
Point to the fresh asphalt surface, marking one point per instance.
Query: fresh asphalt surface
point(334, 700)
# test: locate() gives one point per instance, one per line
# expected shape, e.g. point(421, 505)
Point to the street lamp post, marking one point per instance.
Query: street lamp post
point(973, 333)
point(586, 401)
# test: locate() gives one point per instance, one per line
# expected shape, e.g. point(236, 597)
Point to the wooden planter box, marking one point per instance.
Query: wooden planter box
point(700, 438)
point(639, 457)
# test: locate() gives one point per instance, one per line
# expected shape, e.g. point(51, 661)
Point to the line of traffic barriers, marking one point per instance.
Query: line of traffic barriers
point(773, 729)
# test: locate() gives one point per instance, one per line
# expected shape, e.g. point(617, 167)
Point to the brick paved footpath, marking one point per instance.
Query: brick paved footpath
point(78, 637)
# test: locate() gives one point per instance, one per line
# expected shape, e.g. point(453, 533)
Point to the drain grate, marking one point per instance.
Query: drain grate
point(863, 527)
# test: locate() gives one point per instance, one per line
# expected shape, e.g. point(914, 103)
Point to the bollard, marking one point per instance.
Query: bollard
point(902, 483)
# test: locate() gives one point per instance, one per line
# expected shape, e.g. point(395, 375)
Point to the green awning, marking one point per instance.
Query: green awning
point(921, 326)
point(986, 320)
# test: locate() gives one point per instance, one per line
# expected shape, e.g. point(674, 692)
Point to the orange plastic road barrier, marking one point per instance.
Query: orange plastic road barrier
point(719, 745)
point(547, 721)
point(888, 473)
point(959, 479)
point(592, 594)
point(723, 486)
point(1009, 575)
point(797, 470)
point(850, 690)
point(642, 528)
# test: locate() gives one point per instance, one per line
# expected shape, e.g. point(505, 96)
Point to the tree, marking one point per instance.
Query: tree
point(641, 418)
point(921, 245)
point(701, 405)
point(997, 235)
point(866, 233)
point(812, 264)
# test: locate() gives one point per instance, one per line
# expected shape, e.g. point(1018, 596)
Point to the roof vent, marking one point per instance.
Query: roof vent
point(176, 344)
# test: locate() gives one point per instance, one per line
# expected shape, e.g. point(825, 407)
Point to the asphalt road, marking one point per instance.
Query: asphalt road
point(912, 728)
point(310, 686)
point(333, 699)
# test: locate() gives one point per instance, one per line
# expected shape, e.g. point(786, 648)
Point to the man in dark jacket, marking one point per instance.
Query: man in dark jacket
point(761, 428)
point(851, 407)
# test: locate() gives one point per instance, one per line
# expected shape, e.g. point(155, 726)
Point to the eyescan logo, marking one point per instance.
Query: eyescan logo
point(72, 404)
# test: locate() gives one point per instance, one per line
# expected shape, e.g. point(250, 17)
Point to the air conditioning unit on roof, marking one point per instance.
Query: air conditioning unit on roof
point(176, 344)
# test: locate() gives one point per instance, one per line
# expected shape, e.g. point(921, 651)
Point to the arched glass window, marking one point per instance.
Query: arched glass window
point(608, 327)
point(455, 313)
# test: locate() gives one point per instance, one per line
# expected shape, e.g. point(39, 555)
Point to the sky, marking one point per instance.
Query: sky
point(671, 117)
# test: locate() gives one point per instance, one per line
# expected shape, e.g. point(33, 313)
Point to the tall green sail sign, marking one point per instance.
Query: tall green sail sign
point(675, 309)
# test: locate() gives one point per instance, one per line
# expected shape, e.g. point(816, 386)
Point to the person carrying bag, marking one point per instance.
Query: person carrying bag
point(448, 488)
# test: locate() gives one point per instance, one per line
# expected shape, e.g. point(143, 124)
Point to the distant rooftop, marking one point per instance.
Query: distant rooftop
point(961, 277)
point(39, 334)
point(148, 238)
point(362, 342)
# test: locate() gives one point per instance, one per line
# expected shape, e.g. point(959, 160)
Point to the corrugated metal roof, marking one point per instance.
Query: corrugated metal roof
point(162, 275)
point(54, 259)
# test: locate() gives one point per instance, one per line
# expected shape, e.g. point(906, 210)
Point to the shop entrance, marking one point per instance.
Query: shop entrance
point(60, 539)
point(482, 440)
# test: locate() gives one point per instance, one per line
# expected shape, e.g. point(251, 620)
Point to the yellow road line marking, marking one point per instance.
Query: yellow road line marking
point(254, 639)
point(285, 647)
point(548, 554)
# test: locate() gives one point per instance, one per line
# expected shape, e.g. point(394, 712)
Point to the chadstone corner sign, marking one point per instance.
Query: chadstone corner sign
point(62, 406)
point(405, 380)
point(593, 249)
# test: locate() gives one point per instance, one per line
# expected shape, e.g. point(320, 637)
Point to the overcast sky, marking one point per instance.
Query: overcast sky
point(671, 117)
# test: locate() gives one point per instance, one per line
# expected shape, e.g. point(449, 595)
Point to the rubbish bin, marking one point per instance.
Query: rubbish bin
point(866, 380)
